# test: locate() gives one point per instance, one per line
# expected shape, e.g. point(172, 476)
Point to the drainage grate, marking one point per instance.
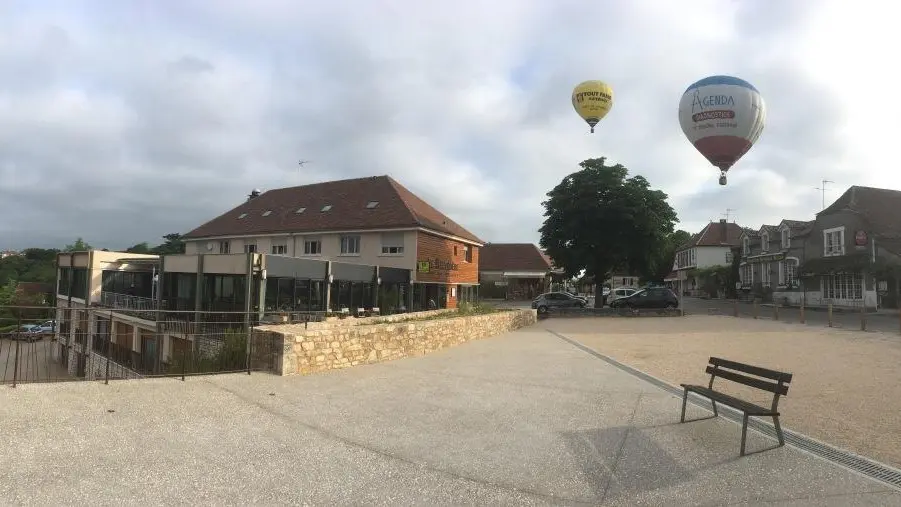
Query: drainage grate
point(864, 466)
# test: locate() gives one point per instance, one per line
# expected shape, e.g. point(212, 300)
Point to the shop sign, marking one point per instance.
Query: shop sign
point(429, 265)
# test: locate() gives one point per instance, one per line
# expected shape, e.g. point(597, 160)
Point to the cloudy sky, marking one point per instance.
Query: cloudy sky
point(124, 121)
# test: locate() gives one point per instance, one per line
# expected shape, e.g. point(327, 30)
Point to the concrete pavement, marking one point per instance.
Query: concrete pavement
point(521, 419)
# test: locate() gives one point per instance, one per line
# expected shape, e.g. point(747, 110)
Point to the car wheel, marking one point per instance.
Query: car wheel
point(542, 310)
point(671, 306)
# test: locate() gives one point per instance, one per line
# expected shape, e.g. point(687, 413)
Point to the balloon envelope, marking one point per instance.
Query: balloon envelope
point(592, 100)
point(723, 117)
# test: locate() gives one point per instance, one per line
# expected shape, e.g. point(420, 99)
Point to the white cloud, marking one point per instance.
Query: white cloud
point(121, 122)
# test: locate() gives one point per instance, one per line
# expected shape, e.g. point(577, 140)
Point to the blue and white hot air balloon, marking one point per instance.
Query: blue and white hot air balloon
point(722, 116)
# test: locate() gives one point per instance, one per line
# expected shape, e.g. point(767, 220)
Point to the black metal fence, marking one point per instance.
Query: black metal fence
point(41, 344)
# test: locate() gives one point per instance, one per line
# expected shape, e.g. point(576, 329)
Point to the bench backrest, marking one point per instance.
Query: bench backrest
point(731, 370)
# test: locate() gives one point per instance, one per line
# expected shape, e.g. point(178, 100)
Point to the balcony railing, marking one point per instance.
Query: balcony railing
point(141, 307)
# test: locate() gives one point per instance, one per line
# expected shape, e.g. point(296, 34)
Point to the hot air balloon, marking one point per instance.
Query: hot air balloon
point(723, 117)
point(592, 100)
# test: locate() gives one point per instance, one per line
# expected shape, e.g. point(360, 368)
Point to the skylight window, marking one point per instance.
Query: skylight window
point(267, 212)
point(372, 204)
point(326, 207)
point(300, 210)
point(242, 215)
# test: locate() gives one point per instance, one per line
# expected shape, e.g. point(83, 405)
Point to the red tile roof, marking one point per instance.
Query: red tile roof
point(720, 233)
point(512, 257)
point(394, 207)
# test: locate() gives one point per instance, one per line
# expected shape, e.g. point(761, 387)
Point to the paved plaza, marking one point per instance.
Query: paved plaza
point(524, 418)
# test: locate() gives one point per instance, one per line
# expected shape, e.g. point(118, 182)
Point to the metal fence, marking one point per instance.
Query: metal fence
point(41, 344)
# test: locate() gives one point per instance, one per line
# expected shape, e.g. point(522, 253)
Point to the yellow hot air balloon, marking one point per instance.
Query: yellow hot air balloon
point(592, 100)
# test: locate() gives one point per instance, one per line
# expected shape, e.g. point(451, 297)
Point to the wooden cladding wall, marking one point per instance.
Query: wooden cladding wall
point(439, 252)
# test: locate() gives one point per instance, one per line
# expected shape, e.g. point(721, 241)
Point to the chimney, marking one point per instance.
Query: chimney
point(253, 194)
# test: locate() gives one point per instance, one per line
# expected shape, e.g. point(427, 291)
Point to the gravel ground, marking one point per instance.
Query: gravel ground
point(846, 388)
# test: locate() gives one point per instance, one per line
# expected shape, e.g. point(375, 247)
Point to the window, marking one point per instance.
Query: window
point(312, 246)
point(747, 275)
point(746, 245)
point(693, 259)
point(392, 243)
point(729, 256)
point(300, 210)
point(786, 238)
point(764, 242)
point(467, 254)
point(242, 215)
point(267, 212)
point(224, 247)
point(326, 207)
point(842, 286)
point(280, 249)
point(250, 247)
point(455, 250)
point(788, 272)
point(834, 241)
point(372, 204)
point(765, 274)
point(350, 245)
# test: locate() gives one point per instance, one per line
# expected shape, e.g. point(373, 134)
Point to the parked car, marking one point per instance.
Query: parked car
point(27, 332)
point(550, 300)
point(622, 292)
point(656, 297)
point(46, 327)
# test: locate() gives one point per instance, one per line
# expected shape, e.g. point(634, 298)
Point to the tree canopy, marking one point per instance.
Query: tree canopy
point(600, 220)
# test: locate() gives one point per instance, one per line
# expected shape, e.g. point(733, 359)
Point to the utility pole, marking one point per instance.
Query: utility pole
point(822, 189)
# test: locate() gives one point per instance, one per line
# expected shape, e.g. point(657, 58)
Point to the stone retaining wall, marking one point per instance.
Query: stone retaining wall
point(311, 350)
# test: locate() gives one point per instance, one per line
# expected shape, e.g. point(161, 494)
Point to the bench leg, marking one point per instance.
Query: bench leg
point(684, 402)
point(715, 414)
point(778, 430)
point(744, 433)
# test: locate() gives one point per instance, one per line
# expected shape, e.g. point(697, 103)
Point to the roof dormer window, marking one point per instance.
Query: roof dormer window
point(242, 215)
point(267, 212)
point(327, 207)
point(300, 210)
point(372, 204)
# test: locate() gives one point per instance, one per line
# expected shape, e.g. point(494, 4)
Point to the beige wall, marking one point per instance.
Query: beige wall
point(308, 350)
point(370, 248)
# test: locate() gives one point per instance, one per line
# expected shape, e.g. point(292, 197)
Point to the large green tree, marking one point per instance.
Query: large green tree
point(79, 246)
point(600, 220)
point(663, 261)
point(172, 244)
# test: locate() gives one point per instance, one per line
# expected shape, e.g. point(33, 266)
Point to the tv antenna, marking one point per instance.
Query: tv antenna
point(822, 189)
point(303, 162)
point(728, 213)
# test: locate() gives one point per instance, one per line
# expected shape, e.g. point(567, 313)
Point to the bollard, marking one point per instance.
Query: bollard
point(863, 316)
point(775, 311)
point(756, 309)
point(829, 314)
point(735, 307)
point(16, 362)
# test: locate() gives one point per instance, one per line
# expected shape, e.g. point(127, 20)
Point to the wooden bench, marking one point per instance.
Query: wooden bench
point(776, 382)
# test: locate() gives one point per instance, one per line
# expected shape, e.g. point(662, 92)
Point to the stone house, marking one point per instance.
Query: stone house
point(770, 259)
point(711, 247)
point(853, 251)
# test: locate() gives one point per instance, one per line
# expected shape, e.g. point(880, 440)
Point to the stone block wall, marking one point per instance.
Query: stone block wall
point(306, 351)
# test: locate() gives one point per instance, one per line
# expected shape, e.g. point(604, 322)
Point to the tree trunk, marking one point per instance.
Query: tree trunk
point(599, 298)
